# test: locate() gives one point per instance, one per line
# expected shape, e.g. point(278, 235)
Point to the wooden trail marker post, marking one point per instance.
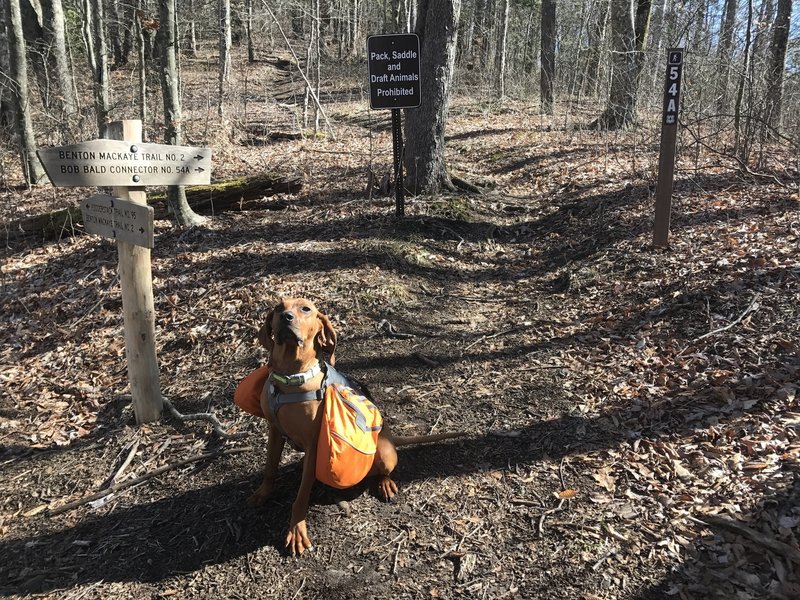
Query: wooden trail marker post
point(669, 135)
point(393, 63)
point(126, 164)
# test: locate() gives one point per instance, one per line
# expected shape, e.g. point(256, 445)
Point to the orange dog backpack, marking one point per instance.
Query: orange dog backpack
point(348, 439)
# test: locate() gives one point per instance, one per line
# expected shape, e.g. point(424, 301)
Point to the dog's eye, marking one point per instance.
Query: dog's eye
point(305, 309)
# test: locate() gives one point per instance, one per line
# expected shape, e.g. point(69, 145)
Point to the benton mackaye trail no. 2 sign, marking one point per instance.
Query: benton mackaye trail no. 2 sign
point(104, 162)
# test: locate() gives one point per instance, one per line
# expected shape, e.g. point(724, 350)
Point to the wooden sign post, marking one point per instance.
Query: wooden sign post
point(126, 164)
point(669, 135)
point(393, 62)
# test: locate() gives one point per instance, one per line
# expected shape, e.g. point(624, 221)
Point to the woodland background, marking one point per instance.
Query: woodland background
point(602, 57)
point(632, 411)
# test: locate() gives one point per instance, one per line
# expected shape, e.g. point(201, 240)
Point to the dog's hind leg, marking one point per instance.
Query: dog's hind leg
point(385, 463)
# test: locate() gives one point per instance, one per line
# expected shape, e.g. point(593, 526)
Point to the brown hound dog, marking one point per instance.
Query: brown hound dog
point(296, 334)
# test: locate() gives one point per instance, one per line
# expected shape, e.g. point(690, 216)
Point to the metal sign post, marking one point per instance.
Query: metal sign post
point(666, 157)
point(394, 83)
point(127, 164)
point(397, 147)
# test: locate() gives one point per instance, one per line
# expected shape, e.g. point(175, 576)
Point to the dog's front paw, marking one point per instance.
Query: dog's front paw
point(386, 488)
point(297, 540)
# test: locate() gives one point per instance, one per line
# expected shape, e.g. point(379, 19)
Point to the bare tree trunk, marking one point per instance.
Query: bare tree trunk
point(701, 26)
point(141, 55)
point(251, 53)
point(312, 59)
point(170, 88)
point(425, 126)
point(191, 28)
point(318, 57)
point(57, 40)
point(225, 43)
point(37, 49)
point(102, 87)
point(478, 40)
point(18, 73)
point(86, 34)
point(629, 31)
point(355, 38)
point(467, 27)
point(741, 144)
point(724, 57)
point(777, 60)
point(116, 35)
point(642, 28)
point(620, 110)
point(548, 55)
point(597, 34)
point(7, 116)
point(502, 47)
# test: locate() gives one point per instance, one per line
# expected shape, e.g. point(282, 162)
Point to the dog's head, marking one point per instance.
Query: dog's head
point(296, 321)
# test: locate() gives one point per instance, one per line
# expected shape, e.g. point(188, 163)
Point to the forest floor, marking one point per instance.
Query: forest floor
point(632, 412)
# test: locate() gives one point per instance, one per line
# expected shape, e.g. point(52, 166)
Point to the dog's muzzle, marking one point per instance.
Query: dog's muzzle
point(289, 334)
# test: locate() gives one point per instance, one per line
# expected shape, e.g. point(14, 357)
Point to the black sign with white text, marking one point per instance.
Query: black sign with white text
point(666, 154)
point(672, 85)
point(393, 62)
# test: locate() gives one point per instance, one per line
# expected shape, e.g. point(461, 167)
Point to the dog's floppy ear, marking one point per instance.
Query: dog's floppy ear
point(326, 338)
point(265, 333)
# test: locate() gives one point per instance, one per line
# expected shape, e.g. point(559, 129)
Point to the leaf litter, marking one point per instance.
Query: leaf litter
point(633, 412)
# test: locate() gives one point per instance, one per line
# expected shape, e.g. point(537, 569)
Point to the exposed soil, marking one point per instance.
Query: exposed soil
point(616, 395)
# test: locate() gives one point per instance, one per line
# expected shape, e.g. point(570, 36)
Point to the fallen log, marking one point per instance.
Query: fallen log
point(241, 193)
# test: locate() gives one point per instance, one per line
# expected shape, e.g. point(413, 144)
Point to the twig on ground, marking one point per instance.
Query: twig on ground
point(396, 556)
point(103, 298)
point(389, 330)
point(302, 585)
point(733, 323)
point(131, 482)
point(543, 516)
point(778, 547)
point(218, 429)
point(488, 337)
point(131, 453)
point(524, 502)
point(438, 418)
point(464, 537)
point(593, 531)
point(603, 558)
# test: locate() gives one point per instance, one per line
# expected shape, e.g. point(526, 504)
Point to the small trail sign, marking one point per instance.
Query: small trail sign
point(669, 135)
point(393, 63)
point(117, 219)
point(119, 163)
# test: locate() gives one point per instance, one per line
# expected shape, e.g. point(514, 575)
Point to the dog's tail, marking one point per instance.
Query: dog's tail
point(402, 440)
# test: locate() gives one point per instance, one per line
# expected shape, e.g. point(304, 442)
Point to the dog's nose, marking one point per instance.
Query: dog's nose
point(287, 316)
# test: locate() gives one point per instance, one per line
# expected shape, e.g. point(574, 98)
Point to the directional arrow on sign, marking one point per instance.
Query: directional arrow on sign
point(125, 164)
point(118, 219)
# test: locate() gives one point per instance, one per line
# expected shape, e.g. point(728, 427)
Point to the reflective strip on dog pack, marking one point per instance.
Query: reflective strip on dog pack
point(348, 438)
